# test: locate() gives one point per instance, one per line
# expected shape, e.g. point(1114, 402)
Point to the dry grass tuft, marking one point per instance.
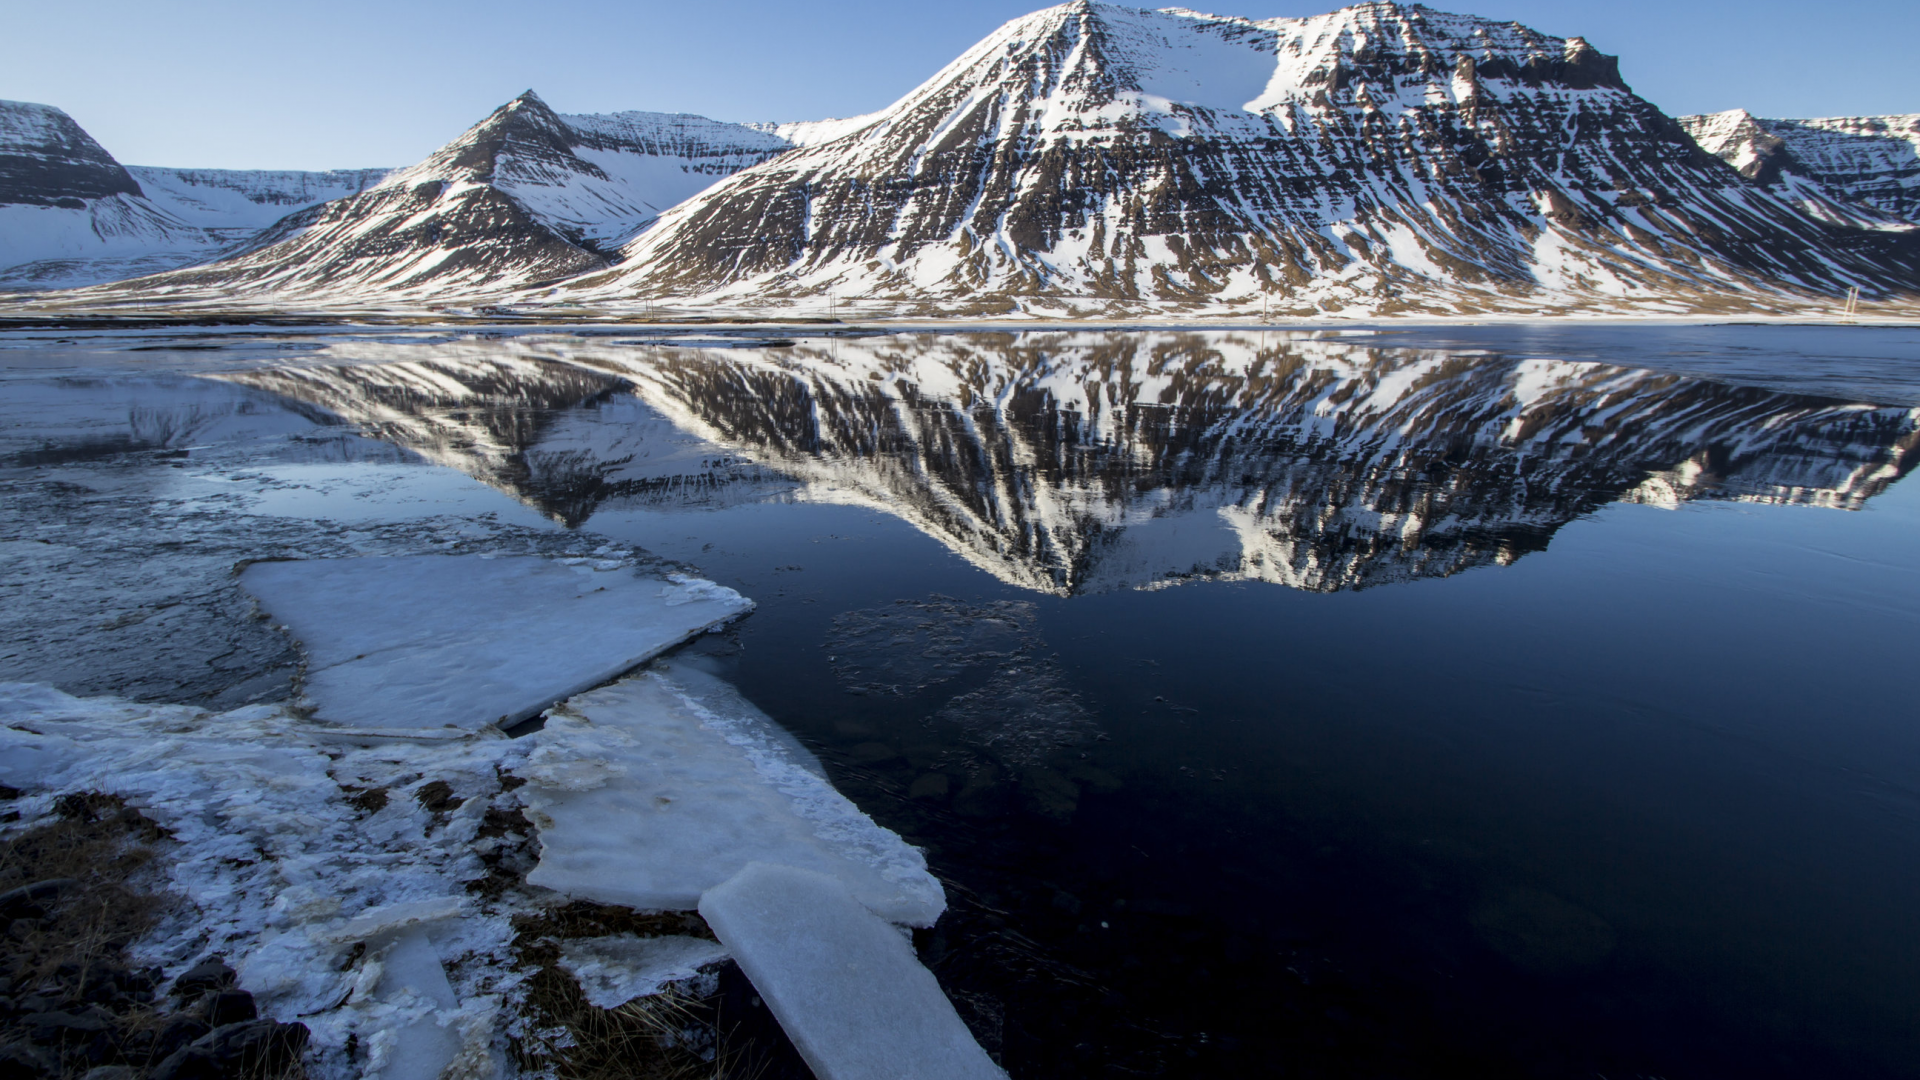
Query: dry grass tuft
point(669, 1036)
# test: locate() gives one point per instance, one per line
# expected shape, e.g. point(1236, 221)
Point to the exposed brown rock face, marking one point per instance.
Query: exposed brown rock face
point(1382, 156)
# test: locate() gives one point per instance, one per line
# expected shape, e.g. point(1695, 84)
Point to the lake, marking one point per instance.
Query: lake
point(1363, 702)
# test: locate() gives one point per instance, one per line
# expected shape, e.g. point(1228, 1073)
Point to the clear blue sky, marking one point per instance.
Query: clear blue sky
point(349, 83)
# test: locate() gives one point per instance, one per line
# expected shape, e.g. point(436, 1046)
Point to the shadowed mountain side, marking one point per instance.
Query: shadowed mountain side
point(1072, 463)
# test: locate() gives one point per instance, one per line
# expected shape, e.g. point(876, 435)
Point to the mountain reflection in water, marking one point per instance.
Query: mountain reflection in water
point(1072, 463)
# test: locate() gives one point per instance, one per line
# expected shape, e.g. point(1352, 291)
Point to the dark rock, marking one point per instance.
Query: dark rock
point(29, 901)
point(65, 1027)
point(207, 976)
point(255, 1047)
point(231, 1007)
point(180, 1032)
point(20, 1061)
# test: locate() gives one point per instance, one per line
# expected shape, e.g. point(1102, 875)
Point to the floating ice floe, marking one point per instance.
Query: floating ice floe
point(653, 790)
point(428, 643)
point(330, 861)
point(845, 986)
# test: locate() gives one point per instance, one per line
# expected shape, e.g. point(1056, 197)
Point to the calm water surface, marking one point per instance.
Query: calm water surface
point(1363, 704)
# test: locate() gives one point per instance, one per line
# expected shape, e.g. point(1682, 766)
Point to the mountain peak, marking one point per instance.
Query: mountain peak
point(48, 160)
point(1116, 154)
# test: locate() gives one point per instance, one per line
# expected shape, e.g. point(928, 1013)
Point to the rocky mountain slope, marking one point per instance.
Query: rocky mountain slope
point(1069, 463)
point(71, 215)
point(1383, 158)
point(523, 197)
point(1858, 162)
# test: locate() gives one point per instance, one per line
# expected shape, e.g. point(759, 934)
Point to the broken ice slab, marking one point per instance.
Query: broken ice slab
point(618, 968)
point(463, 641)
point(651, 791)
point(414, 987)
point(845, 986)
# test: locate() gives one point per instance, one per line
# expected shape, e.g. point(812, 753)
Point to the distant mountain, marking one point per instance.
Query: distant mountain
point(72, 215)
point(1870, 162)
point(1088, 159)
point(1087, 462)
point(526, 196)
point(1384, 158)
point(234, 204)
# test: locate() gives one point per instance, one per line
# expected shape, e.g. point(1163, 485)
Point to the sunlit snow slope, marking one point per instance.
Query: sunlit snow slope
point(72, 215)
point(1865, 162)
point(1382, 158)
point(523, 197)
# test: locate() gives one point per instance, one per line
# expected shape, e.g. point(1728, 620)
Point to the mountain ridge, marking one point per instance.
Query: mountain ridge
point(1361, 160)
point(1092, 159)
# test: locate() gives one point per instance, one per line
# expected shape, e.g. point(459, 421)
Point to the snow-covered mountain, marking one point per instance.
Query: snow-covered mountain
point(234, 204)
point(1383, 158)
point(1870, 162)
point(72, 215)
point(1072, 463)
point(523, 197)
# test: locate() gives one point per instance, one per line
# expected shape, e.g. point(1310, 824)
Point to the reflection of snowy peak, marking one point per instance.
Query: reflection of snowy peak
point(1384, 157)
point(72, 215)
point(563, 438)
point(522, 197)
point(1870, 162)
point(1084, 462)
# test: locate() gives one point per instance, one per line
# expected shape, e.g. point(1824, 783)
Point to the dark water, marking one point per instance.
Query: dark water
point(1519, 703)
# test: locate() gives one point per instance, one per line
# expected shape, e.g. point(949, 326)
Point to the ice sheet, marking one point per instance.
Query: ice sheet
point(432, 641)
point(651, 791)
point(845, 986)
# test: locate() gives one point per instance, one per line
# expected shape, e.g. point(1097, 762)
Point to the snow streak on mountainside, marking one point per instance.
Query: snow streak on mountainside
point(525, 196)
point(1085, 462)
point(1870, 162)
point(1381, 158)
point(72, 215)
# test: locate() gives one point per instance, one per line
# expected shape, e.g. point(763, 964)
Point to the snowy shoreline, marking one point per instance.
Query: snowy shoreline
point(366, 879)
